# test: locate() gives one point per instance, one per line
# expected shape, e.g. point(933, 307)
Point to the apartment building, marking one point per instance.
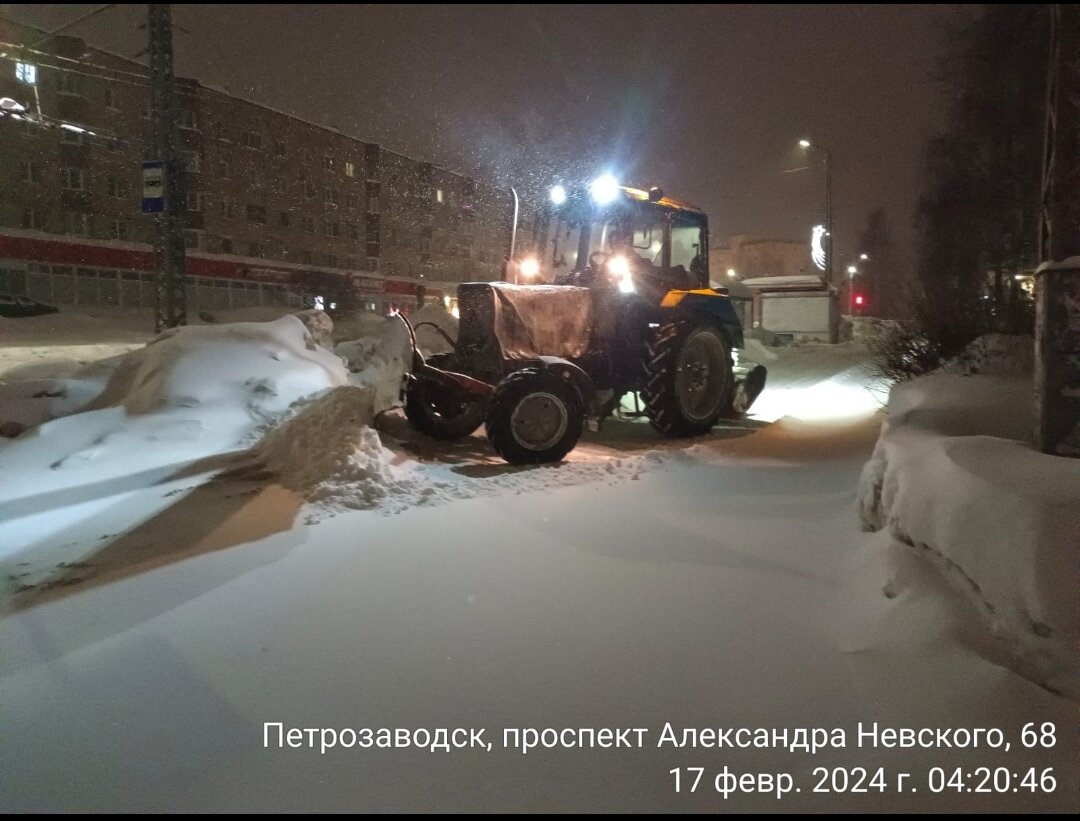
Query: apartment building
point(270, 198)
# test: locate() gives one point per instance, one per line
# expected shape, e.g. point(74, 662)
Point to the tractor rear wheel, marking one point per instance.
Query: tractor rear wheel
point(534, 416)
point(688, 381)
point(439, 410)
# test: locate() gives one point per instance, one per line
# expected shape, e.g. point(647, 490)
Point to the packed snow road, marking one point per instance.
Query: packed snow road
point(716, 583)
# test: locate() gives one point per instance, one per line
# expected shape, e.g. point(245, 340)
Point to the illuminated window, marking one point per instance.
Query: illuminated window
point(438, 195)
point(350, 169)
point(26, 73)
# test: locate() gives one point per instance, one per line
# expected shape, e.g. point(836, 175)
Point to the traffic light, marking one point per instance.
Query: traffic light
point(860, 300)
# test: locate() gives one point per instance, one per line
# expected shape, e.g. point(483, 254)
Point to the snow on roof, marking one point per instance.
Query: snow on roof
point(791, 281)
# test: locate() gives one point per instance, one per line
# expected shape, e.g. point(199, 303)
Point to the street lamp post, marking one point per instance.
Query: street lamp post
point(828, 205)
point(513, 236)
point(851, 271)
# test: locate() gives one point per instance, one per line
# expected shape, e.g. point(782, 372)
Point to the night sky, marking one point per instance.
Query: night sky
point(708, 102)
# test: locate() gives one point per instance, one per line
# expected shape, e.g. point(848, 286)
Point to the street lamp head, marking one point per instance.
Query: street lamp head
point(851, 269)
point(804, 143)
point(864, 256)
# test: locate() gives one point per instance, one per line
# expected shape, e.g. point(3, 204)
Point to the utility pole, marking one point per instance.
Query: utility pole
point(1057, 282)
point(169, 240)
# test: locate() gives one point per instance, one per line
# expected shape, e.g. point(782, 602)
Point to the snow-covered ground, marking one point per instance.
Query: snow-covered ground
point(327, 577)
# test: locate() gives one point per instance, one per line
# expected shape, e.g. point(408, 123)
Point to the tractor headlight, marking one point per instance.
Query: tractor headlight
point(604, 190)
point(618, 268)
point(529, 267)
point(557, 195)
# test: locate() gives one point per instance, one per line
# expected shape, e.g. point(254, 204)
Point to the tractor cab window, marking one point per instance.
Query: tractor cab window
point(687, 246)
point(563, 248)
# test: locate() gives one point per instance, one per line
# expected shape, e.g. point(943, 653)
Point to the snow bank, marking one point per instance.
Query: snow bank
point(192, 392)
point(952, 477)
point(995, 354)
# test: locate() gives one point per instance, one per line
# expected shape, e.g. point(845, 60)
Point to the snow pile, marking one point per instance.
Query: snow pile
point(379, 360)
point(428, 339)
point(193, 392)
point(952, 477)
point(995, 354)
point(329, 453)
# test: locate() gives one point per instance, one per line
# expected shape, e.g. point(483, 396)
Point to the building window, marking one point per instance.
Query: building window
point(31, 172)
point(438, 195)
point(193, 200)
point(255, 249)
point(309, 225)
point(31, 218)
point(72, 178)
point(191, 239)
point(305, 257)
point(350, 200)
point(279, 148)
point(228, 208)
point(192, 161)
point(331, 229)
point(26, 73)
point(189, 120)
point(256, 214)
point(116, 188)
point(372, 190)
point(221, 132)
point(256, 178)
point(328, 163)
point(330, 196)
point(79, 223)
point(70, 137)
point(372, 264)
point(331, 260)
point(309, 190)
point(67, 82)
point(372, 231)
point(118, 229)
point(350, 169)
point(250, 139)
point(354, 231)
point(223, 171)
point(350, 263)
point(112, 99)
point(226, 245)
point(283, 219)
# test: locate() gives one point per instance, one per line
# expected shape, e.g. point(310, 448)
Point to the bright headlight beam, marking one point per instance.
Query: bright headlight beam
point(529, 267)
point(557, 195)
point(604, 189)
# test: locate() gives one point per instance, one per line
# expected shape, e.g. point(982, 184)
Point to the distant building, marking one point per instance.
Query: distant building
point(269, 196)
point(749, 256)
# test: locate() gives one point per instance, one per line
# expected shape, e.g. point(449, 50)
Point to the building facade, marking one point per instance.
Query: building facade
point(270, 198)
point(749, 256)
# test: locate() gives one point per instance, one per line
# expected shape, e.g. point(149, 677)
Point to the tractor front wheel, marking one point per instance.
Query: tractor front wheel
point(688, 381)
point(534, 416)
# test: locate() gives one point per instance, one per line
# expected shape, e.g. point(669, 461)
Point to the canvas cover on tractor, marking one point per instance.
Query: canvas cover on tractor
point(526, 321)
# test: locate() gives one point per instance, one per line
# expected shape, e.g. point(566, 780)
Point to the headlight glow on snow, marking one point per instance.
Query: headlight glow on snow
point(604, 189)
point(557, 195)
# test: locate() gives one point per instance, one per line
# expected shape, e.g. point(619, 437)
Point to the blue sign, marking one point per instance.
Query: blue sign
point(153, 182)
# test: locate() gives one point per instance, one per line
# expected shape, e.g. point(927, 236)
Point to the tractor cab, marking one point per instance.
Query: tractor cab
point(627, 236)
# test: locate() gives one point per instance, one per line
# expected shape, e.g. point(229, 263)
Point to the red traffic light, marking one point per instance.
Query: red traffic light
point(859, 300)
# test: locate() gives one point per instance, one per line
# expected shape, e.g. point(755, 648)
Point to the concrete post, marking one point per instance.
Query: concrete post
point(1057, 358)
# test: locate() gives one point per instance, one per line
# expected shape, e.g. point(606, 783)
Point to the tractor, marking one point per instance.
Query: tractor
point(624, 324)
